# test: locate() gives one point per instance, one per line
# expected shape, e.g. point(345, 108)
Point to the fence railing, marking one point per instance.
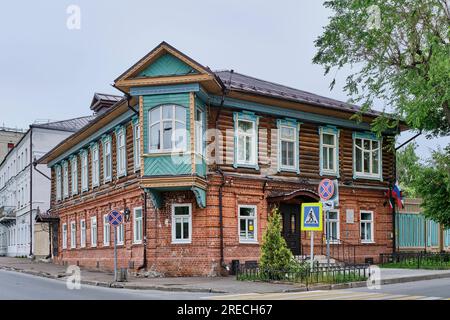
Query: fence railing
point(341, 251)
point(416, 260)
point(306, 276)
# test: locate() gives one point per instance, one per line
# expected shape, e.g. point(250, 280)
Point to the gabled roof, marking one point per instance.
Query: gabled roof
point(71, 125)
point(102, 101)
point(248, 84)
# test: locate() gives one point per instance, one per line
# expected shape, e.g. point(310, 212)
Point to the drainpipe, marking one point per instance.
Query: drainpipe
point(144, 264)
point(31, 191)
point(222, 260)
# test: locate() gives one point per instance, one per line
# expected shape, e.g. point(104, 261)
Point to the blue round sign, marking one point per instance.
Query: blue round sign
point(115, 218)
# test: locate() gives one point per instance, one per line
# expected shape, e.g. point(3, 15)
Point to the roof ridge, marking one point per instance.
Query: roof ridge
point(59, 121)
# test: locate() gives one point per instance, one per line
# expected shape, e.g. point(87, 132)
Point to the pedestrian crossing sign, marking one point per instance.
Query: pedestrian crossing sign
point(312, 218)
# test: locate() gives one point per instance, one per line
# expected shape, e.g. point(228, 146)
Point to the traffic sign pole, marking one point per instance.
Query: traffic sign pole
point(312, 250)
point(115, 253)
point(327, 234)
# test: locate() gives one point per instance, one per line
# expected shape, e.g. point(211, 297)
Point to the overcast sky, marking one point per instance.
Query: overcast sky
point(51, 72)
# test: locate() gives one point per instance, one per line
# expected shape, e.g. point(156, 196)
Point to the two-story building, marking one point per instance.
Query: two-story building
point(196, 160)
point(25, 188)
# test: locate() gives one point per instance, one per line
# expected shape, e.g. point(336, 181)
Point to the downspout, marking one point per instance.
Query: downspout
point(144, 264)
point(222, 260)
point(31, 191)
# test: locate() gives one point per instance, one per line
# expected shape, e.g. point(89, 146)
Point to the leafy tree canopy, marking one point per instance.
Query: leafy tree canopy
point(401, 53)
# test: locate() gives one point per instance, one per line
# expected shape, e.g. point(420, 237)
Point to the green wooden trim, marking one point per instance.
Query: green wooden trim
point(166, 89)
point(200, 196)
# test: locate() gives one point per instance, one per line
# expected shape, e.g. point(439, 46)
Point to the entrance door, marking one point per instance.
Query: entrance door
point(291, 226)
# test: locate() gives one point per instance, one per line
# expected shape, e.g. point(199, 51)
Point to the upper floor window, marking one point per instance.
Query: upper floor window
point(329, 151)
point(167, 125)
point(246, 141)
point(136, 145)
point(367, 156)
point(74, 169)
point(288, 145)
point(121, 152)
point(107, 159)
point(95, 165)
point(199, 138)
point(65, 179)
point(84, 171)
point(58, 183)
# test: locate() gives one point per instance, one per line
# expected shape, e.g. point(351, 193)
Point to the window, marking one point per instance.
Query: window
point(120, 234)
point(84, 171)
point(74, 168)
point(332, 226)
point(107, 159)
point(64, 235)
point(93, 231)
point(95, 166)
point(73, 235)
point(367, 226)
point(137, 145)
point(137, 225)
point(287, 145)
point(247, 223)
point(181, 223)
point(329, 151)
point(121, 152)
point(106, 230)
point(65, 179)
point(167, 128)
point(367, 156)
point(246, 140)
point(199, 138)
point(58, 183)
point(82, 233)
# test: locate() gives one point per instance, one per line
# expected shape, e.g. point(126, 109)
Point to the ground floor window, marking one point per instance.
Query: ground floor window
point(64, 235)
point(120, 234)
point(137, 225)
point(332, 226)
point(181, 223)
point(106, 230)
point(73, 235)
point(93, 231)
point(366, 226)
point(247, 223)
point(82, 233)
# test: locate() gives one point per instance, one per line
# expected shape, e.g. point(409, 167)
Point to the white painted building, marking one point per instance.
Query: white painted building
point(25, 188)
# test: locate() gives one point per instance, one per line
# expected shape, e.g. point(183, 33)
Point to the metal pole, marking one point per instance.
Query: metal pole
point(312, 250)
point(115, 253)
point(327, 223)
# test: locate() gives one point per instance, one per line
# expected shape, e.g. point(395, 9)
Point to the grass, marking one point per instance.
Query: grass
point(431, 263)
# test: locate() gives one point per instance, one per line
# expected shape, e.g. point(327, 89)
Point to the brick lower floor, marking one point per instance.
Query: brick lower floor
point(201, 254)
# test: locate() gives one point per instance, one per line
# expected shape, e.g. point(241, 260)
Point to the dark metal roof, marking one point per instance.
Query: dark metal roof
point(244, 83)
point(72, 125)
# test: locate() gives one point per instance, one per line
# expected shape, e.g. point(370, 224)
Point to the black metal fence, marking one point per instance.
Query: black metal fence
point(306, 276)
point(416, 260)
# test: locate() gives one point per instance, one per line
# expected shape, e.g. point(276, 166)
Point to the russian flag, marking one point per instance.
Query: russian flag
point(397, 195)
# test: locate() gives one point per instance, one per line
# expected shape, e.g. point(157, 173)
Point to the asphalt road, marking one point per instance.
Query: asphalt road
point(19, 286)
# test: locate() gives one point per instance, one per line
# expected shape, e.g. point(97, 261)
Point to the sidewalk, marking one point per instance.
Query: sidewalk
point(202, 284)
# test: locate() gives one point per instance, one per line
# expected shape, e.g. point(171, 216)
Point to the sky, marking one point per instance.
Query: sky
point(50, 72)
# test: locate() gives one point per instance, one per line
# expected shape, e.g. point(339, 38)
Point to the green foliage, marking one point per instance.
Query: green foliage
point(407, 168)
point(399, 53)
point(275, 255)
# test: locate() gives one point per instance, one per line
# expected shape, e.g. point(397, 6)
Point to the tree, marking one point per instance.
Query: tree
point(432, 183)
point(399, 53)
point(407, 167)
point(275, 255)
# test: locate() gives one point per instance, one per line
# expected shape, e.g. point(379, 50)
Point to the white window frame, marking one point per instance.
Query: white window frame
point(95, 165)
point(292, 125)
point(137, 236)
point(253, 162)
point(84, 171)
point(65, 177)
point(94, 232)
point(120, 234)
point(199, 131)
point(160, 121)
point(73, 234)
point(189, 217)
point(372, 222)
point(255, 223)
point(121, 157)
point(136, 146)
point(106, 231)
point(74, 174)
point(82, 233)
point(361, 174)
point(335, 150)
point(338, 225)
point(107, 151)
point(64, 235)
